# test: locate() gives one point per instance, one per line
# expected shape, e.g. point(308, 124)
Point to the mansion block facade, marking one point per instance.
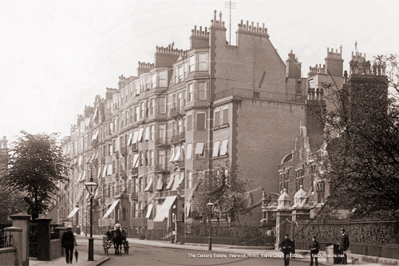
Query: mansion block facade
point(146, 141)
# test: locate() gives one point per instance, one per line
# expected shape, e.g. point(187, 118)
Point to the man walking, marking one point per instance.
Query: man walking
point(344, 245)
point(286, 247)
point(314, 250)
point(68, 242)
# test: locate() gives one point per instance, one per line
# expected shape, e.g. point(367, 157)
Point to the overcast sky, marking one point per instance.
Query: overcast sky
point(56, 56)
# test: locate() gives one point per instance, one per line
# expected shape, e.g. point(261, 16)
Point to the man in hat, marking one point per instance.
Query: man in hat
point(286, 247)
point(344, 245)
point(68, 242)
point(314, 250)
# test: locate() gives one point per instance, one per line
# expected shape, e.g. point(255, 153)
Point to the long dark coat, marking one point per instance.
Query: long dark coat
point(68, 240)
point(344, 243)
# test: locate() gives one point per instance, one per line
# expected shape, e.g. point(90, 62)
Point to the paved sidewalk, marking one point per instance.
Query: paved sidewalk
point(82, 260)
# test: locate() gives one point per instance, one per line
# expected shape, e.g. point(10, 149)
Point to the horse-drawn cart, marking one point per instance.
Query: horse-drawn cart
point(117, 239)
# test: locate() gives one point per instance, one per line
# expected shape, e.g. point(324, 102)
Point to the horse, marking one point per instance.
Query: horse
point(118, 239)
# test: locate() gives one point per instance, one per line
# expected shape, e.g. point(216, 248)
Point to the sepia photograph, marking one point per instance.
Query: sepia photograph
point(162, 132)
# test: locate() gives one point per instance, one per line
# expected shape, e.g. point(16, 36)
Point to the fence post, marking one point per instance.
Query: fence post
point(21, 220)
point(301, 209)
point(44, 239)
point(16, 234)
point(283, 212)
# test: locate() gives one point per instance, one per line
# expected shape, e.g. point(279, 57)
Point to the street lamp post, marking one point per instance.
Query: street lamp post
point(91, 187)
point(210, 205)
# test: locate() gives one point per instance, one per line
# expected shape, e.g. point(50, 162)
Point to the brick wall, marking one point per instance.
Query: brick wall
point(266, 132)
point(253, 64)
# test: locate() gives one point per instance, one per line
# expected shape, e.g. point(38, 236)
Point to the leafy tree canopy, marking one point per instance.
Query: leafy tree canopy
point(35, 166)
point(222, 187)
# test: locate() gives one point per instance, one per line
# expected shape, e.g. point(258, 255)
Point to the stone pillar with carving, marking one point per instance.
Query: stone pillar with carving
point(283, 215)
point(300, 209)
point(21, 220)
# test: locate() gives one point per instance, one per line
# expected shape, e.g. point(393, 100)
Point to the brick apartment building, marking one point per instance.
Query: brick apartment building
point(147, 140)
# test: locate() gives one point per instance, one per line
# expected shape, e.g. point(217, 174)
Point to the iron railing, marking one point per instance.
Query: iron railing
point(5, 240)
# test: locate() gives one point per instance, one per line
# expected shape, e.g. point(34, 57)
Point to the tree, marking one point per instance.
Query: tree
point(35, 167)
point(362, 131)
point(224, 189)
point(10, 203)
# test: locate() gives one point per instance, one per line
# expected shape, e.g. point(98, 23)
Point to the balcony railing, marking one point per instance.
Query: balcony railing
point(181, 163)
point(135, 171)
point(135, 147)
point(134, 196)
point(175, 139)
point(182, 136)
point(162, 142)
point(176, 112)
point(167, 193)
point(124, 151)
point(141, 121)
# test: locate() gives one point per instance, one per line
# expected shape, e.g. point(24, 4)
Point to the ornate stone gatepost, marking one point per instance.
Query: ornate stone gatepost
point(21, 220)
point(283, 213)
point(300, 209)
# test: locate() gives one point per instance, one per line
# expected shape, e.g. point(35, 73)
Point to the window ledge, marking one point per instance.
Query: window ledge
point(220, 157)
point(225, 125)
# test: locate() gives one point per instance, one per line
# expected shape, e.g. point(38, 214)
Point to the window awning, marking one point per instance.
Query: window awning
point(73, 212)
point(216, 149)
point(140, 136)
point(188, 209)
point(111, 208)
point(173, 154)
point(176, 182)
point(82, 176)
point(80, 160)
point(149, 210)
point(199, 149)
point(149, 185)
point(129, 139)
point(177, 156)
point(135, 136)
point(99, 172)
point(181, 178)
point(171, 179)
point(136, 160)
point(95, 135)
point(164, 209)
point(147, 133)
point(105, 170)
point(223, 148)
point(159, 184)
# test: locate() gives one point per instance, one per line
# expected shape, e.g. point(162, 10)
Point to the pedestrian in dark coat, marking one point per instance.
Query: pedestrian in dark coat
point(286, 247)
point(314, 250)
point(68, 242)
point(344, 245)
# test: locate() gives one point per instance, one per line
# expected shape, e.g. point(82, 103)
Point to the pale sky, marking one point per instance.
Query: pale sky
point(56, 56)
